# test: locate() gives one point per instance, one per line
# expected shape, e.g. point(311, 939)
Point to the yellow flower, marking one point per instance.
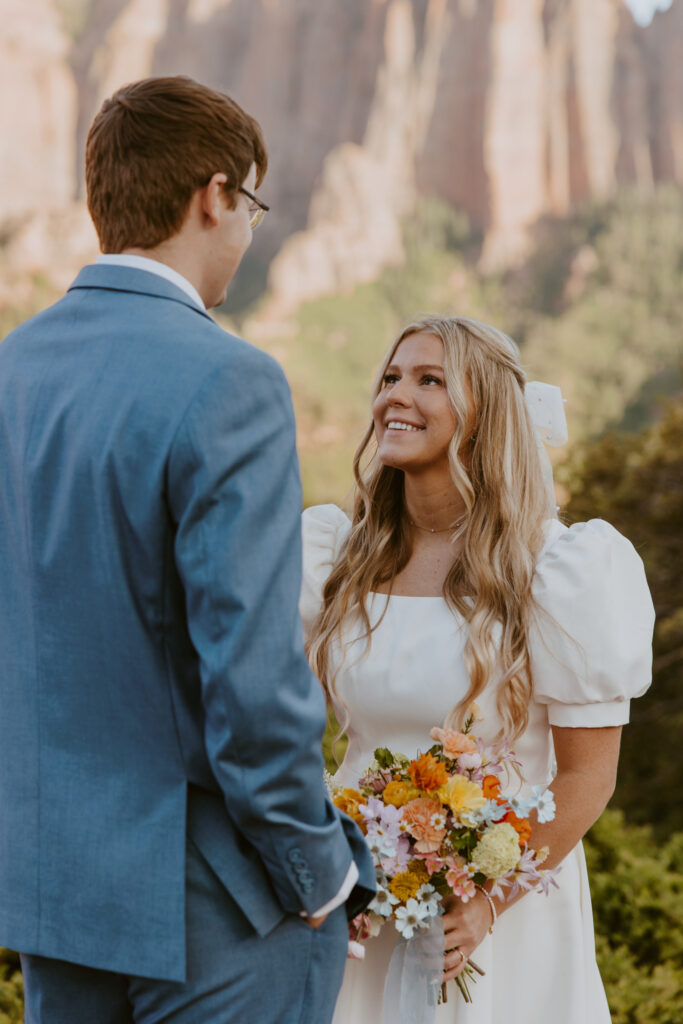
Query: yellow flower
point(407, 884)
point(348, 801)
point(398, 793)
point(497, 852)
point(461, 795)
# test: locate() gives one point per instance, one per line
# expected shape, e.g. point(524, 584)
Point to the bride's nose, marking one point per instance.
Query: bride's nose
point(399, 393)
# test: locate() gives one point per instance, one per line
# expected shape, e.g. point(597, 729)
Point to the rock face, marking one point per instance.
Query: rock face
point(509, 109)
point(37, 110)
point(354, 223)
point(663, 44)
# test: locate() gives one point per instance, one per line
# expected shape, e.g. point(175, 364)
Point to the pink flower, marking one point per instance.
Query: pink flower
point(359, 928)
point(392, 865)
point(417, 819)
point(462, 885)
point(376, 781)
point(453, 743)
point(459, 879)
point(432, 862)
point(468, 762)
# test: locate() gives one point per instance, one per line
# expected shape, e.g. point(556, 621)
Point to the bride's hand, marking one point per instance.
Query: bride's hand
point(465, 925)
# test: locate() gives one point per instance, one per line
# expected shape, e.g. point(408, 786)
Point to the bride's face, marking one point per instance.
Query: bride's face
point(414, 421)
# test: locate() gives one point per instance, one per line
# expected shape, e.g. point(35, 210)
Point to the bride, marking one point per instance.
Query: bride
point(455, 582)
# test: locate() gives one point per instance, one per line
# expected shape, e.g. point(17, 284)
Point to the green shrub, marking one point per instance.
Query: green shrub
point(11, 989)
point(635, 482)
point(637, 890)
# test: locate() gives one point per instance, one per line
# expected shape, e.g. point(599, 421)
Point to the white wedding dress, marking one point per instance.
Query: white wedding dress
point(590, 655)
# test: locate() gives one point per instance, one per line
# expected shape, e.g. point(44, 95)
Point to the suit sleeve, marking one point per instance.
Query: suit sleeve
point(235, 496)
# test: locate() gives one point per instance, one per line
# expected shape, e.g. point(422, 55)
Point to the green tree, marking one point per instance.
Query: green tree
point(601, 305)
point(635, 482)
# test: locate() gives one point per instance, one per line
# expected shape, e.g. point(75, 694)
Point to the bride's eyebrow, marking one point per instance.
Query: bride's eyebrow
point(416, 369)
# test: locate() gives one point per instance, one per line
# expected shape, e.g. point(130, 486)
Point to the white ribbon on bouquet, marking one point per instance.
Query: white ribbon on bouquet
point(413, 982)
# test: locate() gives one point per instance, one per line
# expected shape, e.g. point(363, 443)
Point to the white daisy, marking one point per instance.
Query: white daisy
point(383, 903)
point(411, 918)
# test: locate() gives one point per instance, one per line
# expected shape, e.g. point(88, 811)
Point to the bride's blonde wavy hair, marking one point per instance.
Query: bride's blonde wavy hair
point(502, 485)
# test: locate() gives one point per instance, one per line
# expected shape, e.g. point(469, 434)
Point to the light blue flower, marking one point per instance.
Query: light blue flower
point(522, 807)
point(489, 812)
point(544, 803)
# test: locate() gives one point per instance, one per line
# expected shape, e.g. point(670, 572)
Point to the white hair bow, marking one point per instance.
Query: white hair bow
point(546, 408)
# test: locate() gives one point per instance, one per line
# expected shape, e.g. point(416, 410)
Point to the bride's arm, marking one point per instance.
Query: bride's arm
point(586, 773)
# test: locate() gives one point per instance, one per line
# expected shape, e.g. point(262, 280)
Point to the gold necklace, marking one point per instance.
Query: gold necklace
point(428, 529)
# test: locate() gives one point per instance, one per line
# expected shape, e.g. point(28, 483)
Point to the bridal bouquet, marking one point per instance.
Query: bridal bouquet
point(439, 826)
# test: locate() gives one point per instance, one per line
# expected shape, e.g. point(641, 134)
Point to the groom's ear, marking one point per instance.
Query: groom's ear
point(212, 199)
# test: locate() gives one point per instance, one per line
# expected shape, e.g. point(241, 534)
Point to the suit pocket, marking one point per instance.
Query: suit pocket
point(234, 860)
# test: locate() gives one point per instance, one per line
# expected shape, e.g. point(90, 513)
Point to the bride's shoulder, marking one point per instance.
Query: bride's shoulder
point(587, 568)
point(324, 529)
point(594, 633)
point(583, 553)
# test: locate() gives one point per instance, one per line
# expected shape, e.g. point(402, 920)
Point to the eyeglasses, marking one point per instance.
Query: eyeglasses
point(257, 209)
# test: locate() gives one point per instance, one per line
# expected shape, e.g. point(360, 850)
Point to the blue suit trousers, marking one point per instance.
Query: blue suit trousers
point(234, 976)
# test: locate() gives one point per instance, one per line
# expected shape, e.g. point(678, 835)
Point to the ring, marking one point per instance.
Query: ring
point(462, 956)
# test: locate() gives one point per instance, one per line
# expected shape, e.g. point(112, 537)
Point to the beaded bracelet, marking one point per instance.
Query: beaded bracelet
point(491, 904)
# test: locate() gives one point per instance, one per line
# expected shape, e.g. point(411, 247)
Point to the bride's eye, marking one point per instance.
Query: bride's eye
point(389, 378)
point(429, 378)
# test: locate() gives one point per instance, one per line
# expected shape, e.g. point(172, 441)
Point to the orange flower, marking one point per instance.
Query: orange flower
point(521, 826)
point(427, 772)
point(491, 786)
point(424, 819)
point(398, 793)
point(453, 743)
point(348, 801)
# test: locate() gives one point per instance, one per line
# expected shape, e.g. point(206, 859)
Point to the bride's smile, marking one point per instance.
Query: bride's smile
point(413, 416)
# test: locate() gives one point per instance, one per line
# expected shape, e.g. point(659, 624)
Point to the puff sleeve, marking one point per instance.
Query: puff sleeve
point(591, 645)
point(324, 529)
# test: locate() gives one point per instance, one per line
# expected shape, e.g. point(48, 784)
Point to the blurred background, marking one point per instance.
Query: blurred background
point(518, 161)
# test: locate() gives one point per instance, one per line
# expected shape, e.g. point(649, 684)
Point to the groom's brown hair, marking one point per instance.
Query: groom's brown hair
point(152, 145)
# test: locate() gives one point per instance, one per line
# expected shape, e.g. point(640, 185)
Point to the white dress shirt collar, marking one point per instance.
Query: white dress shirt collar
point(153, 267)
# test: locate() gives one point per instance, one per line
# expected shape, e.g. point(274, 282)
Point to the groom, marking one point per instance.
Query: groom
point(167, 848)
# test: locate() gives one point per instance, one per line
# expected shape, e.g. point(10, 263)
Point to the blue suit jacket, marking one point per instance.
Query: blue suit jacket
point(152, 674)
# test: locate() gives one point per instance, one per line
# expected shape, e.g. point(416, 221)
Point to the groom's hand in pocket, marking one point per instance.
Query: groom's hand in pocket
point(316, 922)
